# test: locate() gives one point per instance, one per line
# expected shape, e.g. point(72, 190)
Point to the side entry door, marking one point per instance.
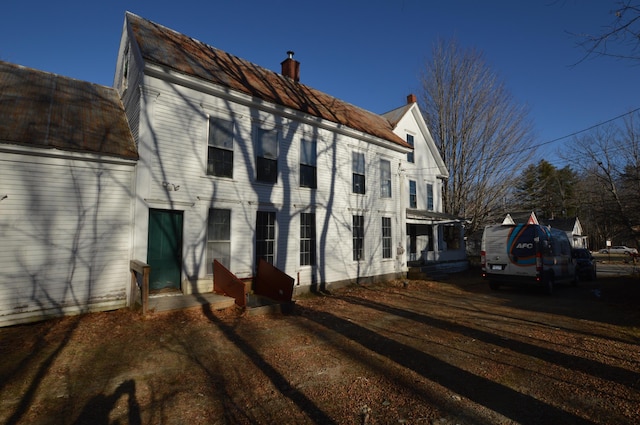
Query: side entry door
point(164, 253)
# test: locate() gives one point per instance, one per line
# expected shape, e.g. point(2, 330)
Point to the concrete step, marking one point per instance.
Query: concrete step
point(178, 302)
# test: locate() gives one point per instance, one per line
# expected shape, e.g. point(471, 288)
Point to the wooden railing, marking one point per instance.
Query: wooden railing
point(142, 270)
point(226, 283)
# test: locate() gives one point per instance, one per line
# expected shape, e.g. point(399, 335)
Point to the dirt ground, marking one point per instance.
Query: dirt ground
point(424, 352)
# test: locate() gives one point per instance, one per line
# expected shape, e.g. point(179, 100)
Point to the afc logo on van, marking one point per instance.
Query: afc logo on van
point(524, 245)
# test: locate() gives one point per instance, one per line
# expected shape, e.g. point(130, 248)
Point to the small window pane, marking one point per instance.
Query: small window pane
point(410, 157)
point(358, 184)
point(221, 133)
point(308, 176)
point(267, 170)
point(413, 199)
point(220, 162)
point(308, 152)
point(267, 143)
point(358, 162)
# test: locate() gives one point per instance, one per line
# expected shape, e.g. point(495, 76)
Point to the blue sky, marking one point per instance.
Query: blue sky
point(367, 52)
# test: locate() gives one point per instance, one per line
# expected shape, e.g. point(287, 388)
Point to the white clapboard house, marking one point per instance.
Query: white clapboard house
point(238, 162)
point(197, 155)
point(67, 167)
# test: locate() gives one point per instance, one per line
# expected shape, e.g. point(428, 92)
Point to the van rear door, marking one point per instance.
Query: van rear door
point(510, 250)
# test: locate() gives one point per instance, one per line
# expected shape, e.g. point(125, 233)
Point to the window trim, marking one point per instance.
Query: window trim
point(430, 199)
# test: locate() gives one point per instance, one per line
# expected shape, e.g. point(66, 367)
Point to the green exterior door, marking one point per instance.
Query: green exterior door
point(164, 253)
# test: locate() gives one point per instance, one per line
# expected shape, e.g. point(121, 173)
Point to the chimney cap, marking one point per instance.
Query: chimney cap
point(290, 54)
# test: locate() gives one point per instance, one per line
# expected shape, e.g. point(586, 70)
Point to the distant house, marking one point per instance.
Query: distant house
point(571, 226)
point(238, 163)
point(573, 229)
point(66, 180)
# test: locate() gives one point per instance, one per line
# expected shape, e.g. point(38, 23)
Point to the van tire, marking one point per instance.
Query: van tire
point(494, 286)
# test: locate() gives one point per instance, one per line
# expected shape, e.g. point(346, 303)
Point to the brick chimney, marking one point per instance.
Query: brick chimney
point(291, 67)
point(412, 98)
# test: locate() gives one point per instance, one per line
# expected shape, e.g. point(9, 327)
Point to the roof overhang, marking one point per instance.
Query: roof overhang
point(415, 216)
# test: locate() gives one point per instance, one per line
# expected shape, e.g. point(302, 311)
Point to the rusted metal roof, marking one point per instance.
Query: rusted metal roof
point(396, 115)
point(167, 48)
point(50, 111)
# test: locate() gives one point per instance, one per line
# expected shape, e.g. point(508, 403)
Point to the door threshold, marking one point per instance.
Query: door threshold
point(165, 292)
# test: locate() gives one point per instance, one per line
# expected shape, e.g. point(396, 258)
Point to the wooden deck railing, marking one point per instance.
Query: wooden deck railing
point(142, 270)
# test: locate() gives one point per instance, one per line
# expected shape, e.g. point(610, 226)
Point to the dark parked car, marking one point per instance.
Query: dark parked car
point(585, 264)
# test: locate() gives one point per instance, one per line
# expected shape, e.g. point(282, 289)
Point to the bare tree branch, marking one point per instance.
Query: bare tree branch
point(620, 39)
point(482, 133)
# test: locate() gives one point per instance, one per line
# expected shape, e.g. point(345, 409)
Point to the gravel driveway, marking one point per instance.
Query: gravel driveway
point(427, 352)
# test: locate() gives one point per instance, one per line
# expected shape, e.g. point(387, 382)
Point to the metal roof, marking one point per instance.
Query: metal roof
point(396, 115)
point(170, 49)
point(46, 110)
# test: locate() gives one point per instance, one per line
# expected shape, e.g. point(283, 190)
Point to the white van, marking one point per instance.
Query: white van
point(516, 254)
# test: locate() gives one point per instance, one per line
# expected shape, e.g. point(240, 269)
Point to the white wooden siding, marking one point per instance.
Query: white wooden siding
point(424, 169)
point(65, 231)
point(175, 151)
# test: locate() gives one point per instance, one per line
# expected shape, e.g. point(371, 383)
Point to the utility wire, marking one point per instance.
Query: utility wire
point(575, 133)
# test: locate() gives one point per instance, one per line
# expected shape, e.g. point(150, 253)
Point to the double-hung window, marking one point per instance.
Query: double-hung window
point(218, 238)
point(413, 197)
point(265, 236)
point(308, 163)
point(410, 156)
point(220, 150)
point(357, 166)
point(386, 237)
point(307, 239)
point(429, 197)
point(267, 155)
point(385, 178)
point(358, 237)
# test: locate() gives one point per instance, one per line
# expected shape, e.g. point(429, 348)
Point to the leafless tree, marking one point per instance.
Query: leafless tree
point(620, 38)
point(610, 160)
point(483, 134)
